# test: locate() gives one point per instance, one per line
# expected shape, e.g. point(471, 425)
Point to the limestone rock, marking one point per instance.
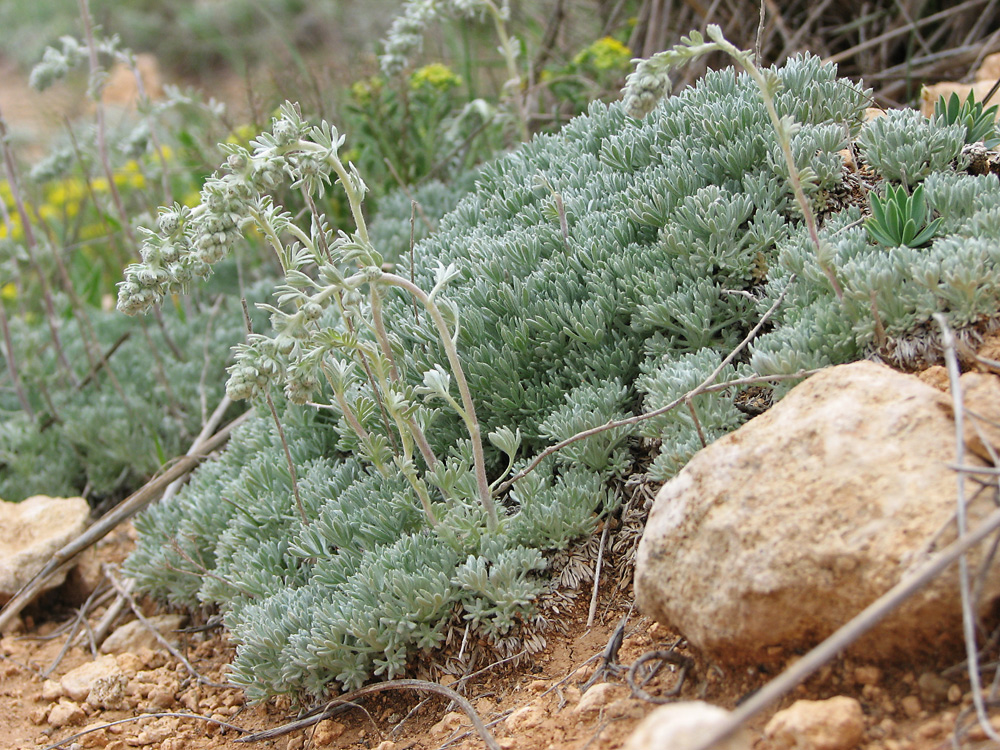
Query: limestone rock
point(30, 532)
point(680, 726)
point(77, 683)
point(780, 532)
point(132, 636)
point(834, 724)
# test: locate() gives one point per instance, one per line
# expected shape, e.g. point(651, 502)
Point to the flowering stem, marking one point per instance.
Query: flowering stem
point(468, 411)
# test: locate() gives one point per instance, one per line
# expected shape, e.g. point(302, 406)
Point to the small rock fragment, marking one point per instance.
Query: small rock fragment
point(65, 712)
point(51, 690)
point(681, 726)
point(77, 682)
point(598, 696)
point(449, 723)
point(933, 687)
point(526, 717)
point(108, 691)
point(911, 706)
point(867, 675)
point(327, 731)
point(834, 724)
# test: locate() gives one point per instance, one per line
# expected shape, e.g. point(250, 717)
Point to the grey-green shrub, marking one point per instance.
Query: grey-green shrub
point(607, 266)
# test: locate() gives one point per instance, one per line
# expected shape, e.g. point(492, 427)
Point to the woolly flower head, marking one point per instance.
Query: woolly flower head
point(645, 87)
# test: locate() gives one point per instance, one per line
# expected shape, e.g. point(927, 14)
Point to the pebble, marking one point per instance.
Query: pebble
point(598, 696)
point(449, 723)
point(327, 731)
point(65, 712)
point(834, 724)
point(911, 706)
point(867, 675)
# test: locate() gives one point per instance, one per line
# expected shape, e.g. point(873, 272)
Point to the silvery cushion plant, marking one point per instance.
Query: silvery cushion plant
point(589, 275)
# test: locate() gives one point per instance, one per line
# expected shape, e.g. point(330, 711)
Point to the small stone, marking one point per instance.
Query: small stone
point(834, 724)
point(538, 686)
point(162, 696)
point(930, 730)
point(129, 663)
point(911, 706)
point(39, 715)
point(327, 731)
point(108, 691)
point(65, 712)
point(681, 726)
point(506, 743)
point(597, 697)
point(526, 717)
point(78, 682)
point(954, 694)
point(386, 745)
point(933, 687)
point(867, 675)
point(51, 691)
point(449, 723)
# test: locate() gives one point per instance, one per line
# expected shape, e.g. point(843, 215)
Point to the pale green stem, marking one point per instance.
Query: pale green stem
point(506, 44)
point(784, 139)
point(468, 411)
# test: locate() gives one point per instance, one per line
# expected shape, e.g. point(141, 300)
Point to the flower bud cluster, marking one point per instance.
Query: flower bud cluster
point(645, 88)
point(56, 63)
point(188, 242)
point(406, 35)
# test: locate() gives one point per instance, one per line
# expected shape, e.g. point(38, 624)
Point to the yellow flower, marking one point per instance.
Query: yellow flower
point(606, 54)
point(365, 90)
point(8, 292)
point(436, 76)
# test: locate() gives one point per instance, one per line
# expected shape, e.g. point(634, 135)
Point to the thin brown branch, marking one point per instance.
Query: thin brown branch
point(705, 387)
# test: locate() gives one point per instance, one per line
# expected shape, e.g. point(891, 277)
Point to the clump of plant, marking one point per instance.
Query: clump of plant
point(595, 72)
point(418, 128)
point(979, 121)
point(582, 260)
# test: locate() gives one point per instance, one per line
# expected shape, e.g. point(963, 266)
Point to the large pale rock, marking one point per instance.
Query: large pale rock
point(30, 532)
point(683, 726)
point(834, 724)
point(777, 534)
